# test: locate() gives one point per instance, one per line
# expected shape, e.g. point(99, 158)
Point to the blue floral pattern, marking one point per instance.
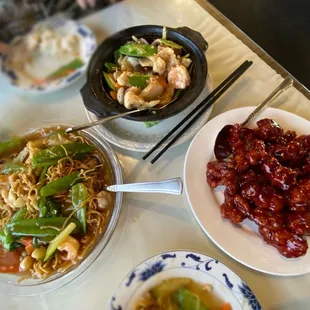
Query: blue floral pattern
point(152, 270)
point(249, 296)
point(242, 296)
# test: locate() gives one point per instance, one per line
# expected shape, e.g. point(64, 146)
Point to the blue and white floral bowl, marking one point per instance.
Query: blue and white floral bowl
point(199, 267)
point(87, 45)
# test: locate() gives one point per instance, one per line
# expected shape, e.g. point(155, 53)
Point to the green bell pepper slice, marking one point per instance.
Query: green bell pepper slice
point(138, 50)
point(79, 197)
point(108, 79)
point(59, 185)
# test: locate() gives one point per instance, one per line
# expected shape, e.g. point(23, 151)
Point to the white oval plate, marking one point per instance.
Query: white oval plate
point(135, 136)
point(43, 65)
point(199, 267)
point(241, 242)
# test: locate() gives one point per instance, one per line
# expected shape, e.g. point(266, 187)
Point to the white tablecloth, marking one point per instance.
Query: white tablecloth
point(153, 223)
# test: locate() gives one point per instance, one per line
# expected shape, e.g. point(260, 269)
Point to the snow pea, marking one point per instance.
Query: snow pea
point(139, 80)
point(33, 227)
point(138, 50)
point(59, 185)
point(117, 55)
point(51, 155)
point(79, 197)
point(111, 66)
point(10, 167)
point(109, 80)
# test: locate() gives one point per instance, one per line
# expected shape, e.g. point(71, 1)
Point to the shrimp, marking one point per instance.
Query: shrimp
point(168, 55)
point(133, 100)
point(159, 65)
point(71, 246)
point(121, 95)
point(152, 91)
point(104, 200)
point(123, 79)
point(179, 77)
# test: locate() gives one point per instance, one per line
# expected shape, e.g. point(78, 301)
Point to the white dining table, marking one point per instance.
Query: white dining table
point(153, 223)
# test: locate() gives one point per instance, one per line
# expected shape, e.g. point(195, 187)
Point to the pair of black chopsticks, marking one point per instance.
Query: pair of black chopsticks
point(201, 108)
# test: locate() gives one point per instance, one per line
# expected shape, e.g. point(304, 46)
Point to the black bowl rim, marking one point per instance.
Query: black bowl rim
point(101, 104)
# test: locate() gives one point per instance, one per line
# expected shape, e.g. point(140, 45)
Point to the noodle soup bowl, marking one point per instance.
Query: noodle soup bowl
point(11, 284)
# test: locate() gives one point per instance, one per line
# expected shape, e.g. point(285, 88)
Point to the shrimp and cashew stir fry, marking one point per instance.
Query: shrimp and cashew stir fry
point(146, 74)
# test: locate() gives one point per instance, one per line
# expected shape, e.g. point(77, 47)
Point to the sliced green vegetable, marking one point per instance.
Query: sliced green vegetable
point(48, 207)
point(111, 66)
point(79, 197)
point(65, 70)
point(55, 243)
point(51, 155)
point(10, 146)
point(8, 241)
point(117, 55)
point(38, 241)
point(169, 287)
point(138, 49)
point(109, 79)
point(151, 124)
point(59, 185)
point(177, 94)
point(139, 80)
point(35, 242)
point(39, 227)
point(43, 174)
point(18, 215)
point(189, 301)
point(186, 56)
point(9, 168)
point(170, 43)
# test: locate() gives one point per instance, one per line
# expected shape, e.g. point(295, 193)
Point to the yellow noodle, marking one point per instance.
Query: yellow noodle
point(25, 186)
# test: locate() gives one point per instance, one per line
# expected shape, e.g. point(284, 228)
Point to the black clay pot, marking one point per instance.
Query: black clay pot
point(95, 93)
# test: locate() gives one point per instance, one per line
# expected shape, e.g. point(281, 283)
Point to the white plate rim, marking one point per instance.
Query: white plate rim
point(146, 146)
point(248, 300)
point(83, 31)
point(239, 113)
